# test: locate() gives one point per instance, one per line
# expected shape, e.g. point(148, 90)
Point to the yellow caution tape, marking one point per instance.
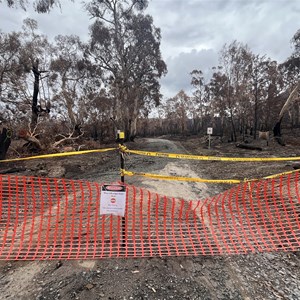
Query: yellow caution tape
point(280, 174)
point(123, 148)
point(59, 154)
point(122, 172)
point(165, 177)
point(215, 158)
point(228, 181)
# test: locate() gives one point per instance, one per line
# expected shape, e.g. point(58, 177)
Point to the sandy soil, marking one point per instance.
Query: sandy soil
point(260, 276)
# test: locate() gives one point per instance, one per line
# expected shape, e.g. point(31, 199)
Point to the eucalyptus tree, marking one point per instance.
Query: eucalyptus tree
point(10, 70)
point(11, 87)
point(70, 73)
point(41, 6)
point(290, 70)
point(35, 55)
point(218, 90)
point(126, 45)
point(274, 92)
point(24, 58)
point(178, 111)
point(235, 59)
point(292, 63)
point(257, 70)
point(201, 99)
point(295, 66)
point(287, 96)
point(245, 89)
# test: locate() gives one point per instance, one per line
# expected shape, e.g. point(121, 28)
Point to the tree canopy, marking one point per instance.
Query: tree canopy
point(74, 88)
point(41, 6)
point(126, 46)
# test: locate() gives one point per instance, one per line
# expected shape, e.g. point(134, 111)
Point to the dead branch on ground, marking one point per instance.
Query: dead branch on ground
point(64, 138)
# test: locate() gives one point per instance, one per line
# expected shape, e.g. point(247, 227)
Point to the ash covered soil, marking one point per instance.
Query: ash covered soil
point(257, 276)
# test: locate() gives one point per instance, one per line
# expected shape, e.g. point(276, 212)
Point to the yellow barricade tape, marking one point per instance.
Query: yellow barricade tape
point(59, 154)
point(165, 177)
point(228, 181)
point(123, 148)
point(281, 174)
point(215, 158)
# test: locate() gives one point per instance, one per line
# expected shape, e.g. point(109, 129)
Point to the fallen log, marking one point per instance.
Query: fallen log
point(12, 170)
point(248, 147)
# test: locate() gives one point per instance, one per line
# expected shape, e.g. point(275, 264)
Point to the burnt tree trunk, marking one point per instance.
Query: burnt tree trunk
point(255, 111)
point(4, 143)
point(34, 107)
point(277, 128)
point(277, 133)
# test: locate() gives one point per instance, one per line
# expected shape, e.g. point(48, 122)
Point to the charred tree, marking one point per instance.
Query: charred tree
point(5, 141)
point(277, 133)
point(36, 87)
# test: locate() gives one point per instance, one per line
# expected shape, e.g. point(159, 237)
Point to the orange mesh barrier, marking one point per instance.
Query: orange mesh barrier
point(43, 218)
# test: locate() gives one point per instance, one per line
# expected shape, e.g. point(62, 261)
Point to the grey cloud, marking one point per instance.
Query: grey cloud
point(70, 19)
point(267, 26)
point(10, 18)
point(180, 67)
point(211, 24)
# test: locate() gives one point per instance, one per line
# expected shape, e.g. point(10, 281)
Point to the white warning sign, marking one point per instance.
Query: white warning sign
point(113, 200)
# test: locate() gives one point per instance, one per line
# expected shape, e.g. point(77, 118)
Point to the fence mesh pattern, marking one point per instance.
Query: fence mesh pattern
point(43, 218)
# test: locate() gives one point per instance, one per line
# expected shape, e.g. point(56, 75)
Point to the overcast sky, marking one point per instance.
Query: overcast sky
point(193, 31)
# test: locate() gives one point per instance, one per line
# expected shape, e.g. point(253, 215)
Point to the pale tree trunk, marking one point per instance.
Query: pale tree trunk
point(120, 107)
point(133, 128)
point(183, 124)
point(290, 100)
point(255, 111)
point(297, 114)
point(233, 132)
point(133, 117)
point(69, 102)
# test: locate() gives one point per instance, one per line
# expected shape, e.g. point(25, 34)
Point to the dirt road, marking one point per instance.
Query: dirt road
point(260, 276)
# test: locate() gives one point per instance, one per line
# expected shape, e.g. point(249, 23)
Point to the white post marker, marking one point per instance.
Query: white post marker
point(113, 200)
point(209, 132)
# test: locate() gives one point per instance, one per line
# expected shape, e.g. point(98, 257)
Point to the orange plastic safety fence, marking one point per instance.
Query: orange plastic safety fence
point(43, 218)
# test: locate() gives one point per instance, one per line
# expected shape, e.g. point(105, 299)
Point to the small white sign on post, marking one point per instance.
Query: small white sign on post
point(113, 200)
point(209, 130)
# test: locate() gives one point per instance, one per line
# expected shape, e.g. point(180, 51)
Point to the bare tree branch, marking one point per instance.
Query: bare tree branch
point(66, 138)
point(289, 100)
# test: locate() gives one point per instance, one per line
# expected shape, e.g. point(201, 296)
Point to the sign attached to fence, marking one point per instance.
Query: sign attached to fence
point(209, 130)
point(113, 200)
